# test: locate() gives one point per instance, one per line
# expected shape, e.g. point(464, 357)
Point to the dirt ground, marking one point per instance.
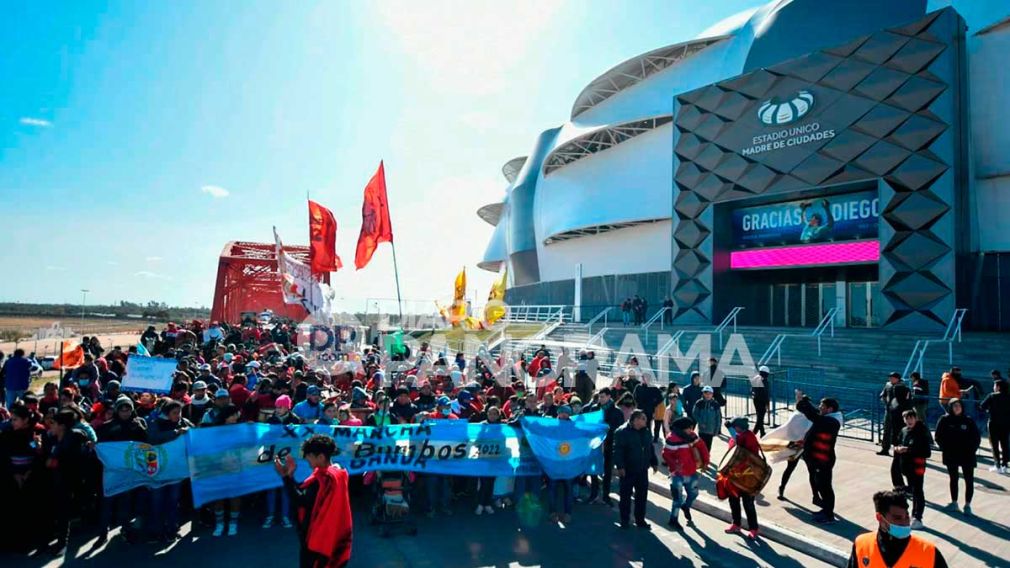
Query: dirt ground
point(51, 346)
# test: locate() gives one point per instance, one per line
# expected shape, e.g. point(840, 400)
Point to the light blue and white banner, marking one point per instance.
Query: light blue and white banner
point(135, 464)
point(229, 461)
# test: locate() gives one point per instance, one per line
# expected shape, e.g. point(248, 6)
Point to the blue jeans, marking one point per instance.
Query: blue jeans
point(272, 496)
point(439, 492)
point(563, 486)
point(13, 395)
point(163, 516)
point(683, 490)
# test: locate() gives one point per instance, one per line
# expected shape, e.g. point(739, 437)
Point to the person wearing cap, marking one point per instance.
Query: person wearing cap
point(124, 426)
point(760, 393)
point(897, 398)
point(282, 415)
point(425, 399)
point(309, 409)
point(198, 404)
point(439, 487)
point(708, 414)
point(222, 399)
point(205, 375)
point(685, 454)
point(740, 435)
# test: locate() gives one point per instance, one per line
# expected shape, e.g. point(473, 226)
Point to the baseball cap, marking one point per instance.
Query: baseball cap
point(764, 369)
point(199, 385)
point(565, 409)
point(707, 388)
point(253, 364)
point(205, 367)
point(312, 391)
point(221, 393)
point(443, 401)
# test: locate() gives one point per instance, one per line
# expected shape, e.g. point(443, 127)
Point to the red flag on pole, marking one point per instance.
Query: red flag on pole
point(322, 240)
point(375, 226)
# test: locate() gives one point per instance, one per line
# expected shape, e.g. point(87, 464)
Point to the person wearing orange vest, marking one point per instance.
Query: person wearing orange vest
point(893, 545)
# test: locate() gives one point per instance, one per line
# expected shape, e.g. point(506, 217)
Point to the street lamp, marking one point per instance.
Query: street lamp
point(84, 301)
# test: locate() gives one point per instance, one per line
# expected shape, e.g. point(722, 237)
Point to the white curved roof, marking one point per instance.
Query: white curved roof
point(512, 168)
point(599, 139)
point(636, 70)
point(491, 213)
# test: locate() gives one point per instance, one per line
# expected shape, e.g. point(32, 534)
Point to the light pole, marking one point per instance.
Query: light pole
point(84, 301)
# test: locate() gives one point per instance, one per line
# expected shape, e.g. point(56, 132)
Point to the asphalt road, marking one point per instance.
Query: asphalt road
point(462, 540)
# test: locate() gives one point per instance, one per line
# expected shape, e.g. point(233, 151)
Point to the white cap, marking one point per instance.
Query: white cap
point(764, 369)
point(707, 388)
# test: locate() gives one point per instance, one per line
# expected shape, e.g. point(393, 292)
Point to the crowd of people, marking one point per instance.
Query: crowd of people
point(257, 372)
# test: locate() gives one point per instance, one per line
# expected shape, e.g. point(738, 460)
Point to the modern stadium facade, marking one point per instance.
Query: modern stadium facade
point(794, 158)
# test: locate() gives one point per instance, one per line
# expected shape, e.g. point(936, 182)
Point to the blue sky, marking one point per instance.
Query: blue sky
point(137, 138)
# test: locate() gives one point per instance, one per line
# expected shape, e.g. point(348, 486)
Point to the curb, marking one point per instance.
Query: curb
point(770, 531)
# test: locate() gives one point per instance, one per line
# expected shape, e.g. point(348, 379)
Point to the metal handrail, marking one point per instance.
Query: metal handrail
point(533, 313)
point(597, 337)
point(950, 333)
point(589, 324)
point(827, 322)
point(652, 320)
point(730, 317)
point(775, 349)
point(670, 343)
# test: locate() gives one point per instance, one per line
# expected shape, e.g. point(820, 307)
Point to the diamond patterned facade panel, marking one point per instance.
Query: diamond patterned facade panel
point(877, 105)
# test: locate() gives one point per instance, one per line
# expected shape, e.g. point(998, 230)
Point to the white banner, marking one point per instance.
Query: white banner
point(149, 374)
point(299, 287)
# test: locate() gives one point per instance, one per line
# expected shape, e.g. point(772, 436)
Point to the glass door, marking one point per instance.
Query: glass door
point(859, 305)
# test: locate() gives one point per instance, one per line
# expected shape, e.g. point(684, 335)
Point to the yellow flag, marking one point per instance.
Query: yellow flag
point(495, 308)
point(459, 298)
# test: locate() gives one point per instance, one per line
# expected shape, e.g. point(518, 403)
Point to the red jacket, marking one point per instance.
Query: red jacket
point(679, 455)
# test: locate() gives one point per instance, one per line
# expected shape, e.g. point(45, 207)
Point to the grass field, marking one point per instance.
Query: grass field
point(30, 325)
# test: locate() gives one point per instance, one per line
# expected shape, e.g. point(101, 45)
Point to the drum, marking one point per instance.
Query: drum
point(747, 472)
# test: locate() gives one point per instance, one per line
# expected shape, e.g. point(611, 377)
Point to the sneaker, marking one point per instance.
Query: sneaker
point(218, 529)
point(994, 468)
point(674, 524)
point(644, 525)
point(917, 524)
point(566, 519)
point(232, 528)
point(883, 452)
point(753, 534)
point(732, 529)
point(782, 493)
point(952, 506)
point(1004, 469)
point(817, 502)
point(286, 523)
point(967, 509)
point(268, 522)
point(479, 510)
point(489, 509)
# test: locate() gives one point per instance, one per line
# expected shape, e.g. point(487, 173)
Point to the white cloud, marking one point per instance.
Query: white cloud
point(52, 268)
point(215, 191)
point(153, 259)
point(151, 275)
point(467, 47)
point(40, 122)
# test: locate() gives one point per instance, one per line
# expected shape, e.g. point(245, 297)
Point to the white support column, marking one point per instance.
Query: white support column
point(577, 307)
point(841, 299)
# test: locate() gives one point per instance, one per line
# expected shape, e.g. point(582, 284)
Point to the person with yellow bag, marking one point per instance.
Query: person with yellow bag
point(893, 543)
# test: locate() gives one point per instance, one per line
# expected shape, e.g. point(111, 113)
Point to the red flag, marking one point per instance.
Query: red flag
point(375, 226)
point(322, 240)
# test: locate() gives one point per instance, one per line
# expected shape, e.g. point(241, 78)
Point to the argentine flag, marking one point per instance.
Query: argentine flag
point(566, 448)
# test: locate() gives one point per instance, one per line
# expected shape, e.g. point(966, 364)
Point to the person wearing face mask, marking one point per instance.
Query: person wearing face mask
point(893, 543)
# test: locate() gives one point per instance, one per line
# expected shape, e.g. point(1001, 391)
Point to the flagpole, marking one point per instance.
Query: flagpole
point(396, 272)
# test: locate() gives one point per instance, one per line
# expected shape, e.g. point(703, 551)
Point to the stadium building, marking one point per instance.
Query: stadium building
point(794, 158)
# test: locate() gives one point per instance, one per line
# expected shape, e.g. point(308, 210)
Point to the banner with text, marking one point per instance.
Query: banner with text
point(149, 374)
point(846, 217)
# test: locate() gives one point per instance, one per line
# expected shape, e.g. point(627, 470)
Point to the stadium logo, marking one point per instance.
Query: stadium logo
point(777, 111)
